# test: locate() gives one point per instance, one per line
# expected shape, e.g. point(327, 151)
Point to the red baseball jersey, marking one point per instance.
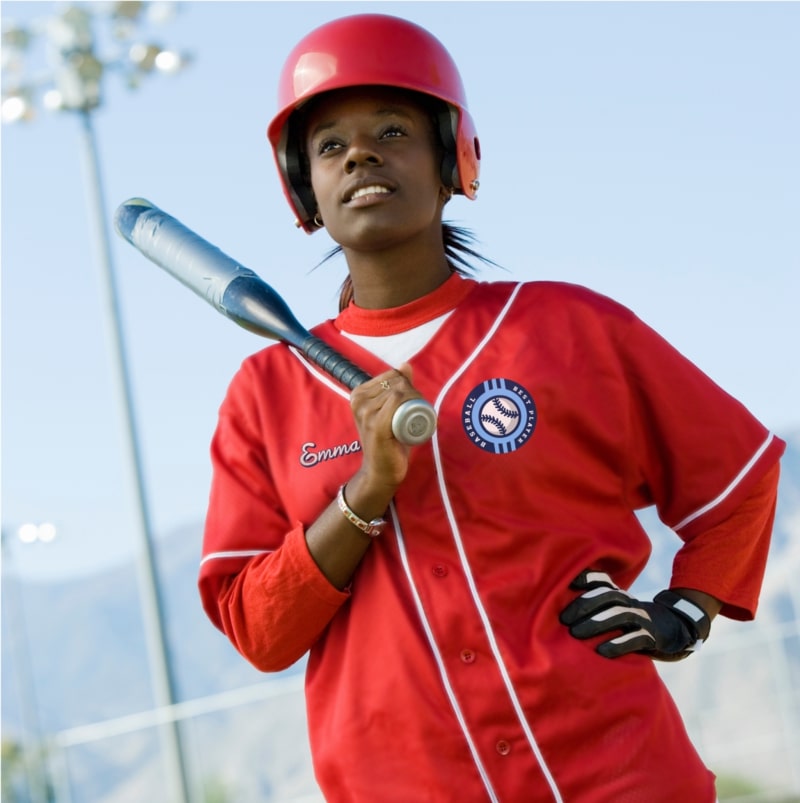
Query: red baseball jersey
point(442, 672)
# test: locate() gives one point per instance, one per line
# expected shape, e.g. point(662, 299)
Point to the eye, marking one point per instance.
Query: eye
point(328, 145)
point(393, 130)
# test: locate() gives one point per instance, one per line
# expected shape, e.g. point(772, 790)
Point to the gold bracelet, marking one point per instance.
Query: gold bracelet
point(371, 528)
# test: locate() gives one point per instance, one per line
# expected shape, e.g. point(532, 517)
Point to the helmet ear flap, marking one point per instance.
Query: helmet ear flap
point(294, 165)
point(461, 160)
point(447, 124)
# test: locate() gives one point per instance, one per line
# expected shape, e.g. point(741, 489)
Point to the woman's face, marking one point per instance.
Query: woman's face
point(374, 167)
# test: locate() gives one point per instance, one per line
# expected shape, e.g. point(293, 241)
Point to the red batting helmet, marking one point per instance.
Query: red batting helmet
point(378, 50)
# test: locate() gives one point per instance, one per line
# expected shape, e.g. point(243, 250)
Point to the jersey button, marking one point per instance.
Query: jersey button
point(439, 570)
point(503, 747)
point(468, 656)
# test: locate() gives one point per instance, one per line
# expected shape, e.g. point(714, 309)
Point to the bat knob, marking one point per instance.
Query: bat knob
point(414, 422)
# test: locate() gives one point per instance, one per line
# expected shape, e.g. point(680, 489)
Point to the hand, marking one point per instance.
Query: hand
point(385, 459)
point(669, 628)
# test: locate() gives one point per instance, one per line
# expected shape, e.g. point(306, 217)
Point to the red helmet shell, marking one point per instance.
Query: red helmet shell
point(371, 49)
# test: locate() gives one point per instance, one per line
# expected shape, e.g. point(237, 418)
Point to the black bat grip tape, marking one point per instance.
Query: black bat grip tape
point(413, 422)
point(333, 363)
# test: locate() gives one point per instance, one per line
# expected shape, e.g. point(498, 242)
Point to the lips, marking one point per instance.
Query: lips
point(372, 190)
point(365, 188)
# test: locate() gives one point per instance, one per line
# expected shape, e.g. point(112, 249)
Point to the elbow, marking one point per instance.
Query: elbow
point(269, 658)
point(259, 633)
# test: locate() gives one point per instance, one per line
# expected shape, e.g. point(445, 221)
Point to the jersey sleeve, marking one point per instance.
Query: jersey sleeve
point(258, 583)
point(706, 463)
point(728, 560)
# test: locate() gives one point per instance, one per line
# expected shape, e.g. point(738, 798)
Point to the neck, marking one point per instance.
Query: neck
point(393, 277)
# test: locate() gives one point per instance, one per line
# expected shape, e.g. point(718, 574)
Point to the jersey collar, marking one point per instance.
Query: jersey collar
point(393, 321)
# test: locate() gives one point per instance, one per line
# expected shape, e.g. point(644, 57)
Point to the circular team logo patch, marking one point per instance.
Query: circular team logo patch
point(499, 415)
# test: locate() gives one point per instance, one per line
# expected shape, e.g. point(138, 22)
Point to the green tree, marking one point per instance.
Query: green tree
point(20, 770)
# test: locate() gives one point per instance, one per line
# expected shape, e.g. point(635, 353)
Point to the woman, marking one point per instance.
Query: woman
point(462, 600)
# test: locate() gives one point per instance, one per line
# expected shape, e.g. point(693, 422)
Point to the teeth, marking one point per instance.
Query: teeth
point(374, 190)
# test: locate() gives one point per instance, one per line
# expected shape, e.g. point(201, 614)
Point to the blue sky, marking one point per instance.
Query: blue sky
point(646, 150)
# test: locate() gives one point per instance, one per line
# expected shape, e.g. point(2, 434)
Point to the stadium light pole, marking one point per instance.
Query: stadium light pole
point(77, 76)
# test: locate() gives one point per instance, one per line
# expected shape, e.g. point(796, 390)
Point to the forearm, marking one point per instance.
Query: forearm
point(338, 546)
point(276, 608)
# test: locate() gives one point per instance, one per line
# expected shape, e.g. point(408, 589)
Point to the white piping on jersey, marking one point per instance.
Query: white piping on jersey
point(242, 553)
point(477, 350)
point(418, 603)
point(437, 655)
point(729, 490)
point(321, 375)
point(516, 704)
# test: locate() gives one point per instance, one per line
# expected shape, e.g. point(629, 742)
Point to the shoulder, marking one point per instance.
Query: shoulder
point(562, 299)
point(264, 361)
point(257, 373)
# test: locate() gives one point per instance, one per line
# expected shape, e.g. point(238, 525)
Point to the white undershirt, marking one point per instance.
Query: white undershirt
point(396, 349)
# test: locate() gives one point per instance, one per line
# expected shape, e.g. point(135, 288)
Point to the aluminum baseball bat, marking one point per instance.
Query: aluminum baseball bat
point(244, 297)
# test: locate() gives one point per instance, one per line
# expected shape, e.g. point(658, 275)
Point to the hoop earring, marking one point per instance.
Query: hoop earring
point(318, 222)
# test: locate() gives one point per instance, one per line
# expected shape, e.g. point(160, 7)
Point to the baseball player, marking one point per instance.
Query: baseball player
point(463, 602)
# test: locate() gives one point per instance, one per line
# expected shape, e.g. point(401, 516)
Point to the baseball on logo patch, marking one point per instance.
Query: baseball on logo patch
point(499, 415)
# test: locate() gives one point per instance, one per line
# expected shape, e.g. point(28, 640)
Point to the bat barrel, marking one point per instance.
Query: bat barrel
point(193, 261)
point(235, 291)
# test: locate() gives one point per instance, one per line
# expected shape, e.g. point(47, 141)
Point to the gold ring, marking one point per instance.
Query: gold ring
point(385, 385)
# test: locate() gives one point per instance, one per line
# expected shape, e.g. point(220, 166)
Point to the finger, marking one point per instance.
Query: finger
point(635, 641)
point(589, 578)
point(378, 386)
point(380, 396)
point(408, 372)
point(593, 601)
point(396, 383)
point(619, 617)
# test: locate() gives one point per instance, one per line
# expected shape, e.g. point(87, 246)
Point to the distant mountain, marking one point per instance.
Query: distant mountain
point(86, 645)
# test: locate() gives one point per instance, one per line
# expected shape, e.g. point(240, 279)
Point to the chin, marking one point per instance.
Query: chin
point(373, 234)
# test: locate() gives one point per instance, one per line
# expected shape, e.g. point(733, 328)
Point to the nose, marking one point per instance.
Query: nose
point(361, 151)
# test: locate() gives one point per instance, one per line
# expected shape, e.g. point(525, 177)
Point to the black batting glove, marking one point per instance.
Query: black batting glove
point(669, 628)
